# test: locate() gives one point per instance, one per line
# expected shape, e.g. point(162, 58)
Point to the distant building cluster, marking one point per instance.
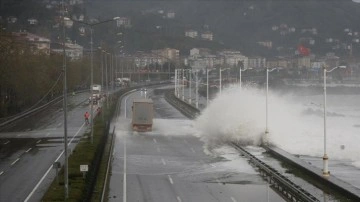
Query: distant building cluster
point(43, 45)
point(207, 35)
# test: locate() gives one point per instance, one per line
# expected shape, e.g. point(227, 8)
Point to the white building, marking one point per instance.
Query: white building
point(32, 21)
point(191, 33)
point(123, 22)
point(72, 50)
point(233, 58)
point(207, 36)
point(257, 62)
point(38, 44)
point(170, 15)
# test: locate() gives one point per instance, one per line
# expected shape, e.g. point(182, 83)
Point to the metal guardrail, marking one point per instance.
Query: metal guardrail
point(185, 108)
point(278, 181)
point(32, 111)
point(29, 112)
point(282, 184)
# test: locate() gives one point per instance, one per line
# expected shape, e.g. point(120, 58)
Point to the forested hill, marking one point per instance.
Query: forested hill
point(240, 24)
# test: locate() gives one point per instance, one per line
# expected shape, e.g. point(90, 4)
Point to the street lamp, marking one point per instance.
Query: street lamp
point(242, 70)
point(207, 86)
point(66, 169)
point(221, 70)
point(325, 157)
point(197, 90)
point(182, 85)
point(267, 92)
point(190, 72)
point(91, 25)
point(175, 82)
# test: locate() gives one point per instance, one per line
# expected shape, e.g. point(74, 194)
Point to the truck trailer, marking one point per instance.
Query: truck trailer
point(142, 115)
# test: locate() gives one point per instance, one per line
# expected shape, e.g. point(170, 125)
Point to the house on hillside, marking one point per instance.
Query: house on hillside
point(191, 33)
point(33, 21)
point(72, 50)
point(123, 22)
point(38, 44)
point(207, 36)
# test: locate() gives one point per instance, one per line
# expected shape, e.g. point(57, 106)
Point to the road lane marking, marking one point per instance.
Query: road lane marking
point(178, 198)
point(193, 150)
point(163, 161)
point(59, 124)
point(28, 150)
point(154, 140)
point(124, 182)
point(234, 200)
point(15, 161)
point(7, 142)
point(47, 134)
point(170, 179)
point(49, 169)
point(38, 141)
point(2, 172)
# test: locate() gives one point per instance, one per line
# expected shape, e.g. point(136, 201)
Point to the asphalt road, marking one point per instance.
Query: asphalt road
point(171, 164)
point(29, 148)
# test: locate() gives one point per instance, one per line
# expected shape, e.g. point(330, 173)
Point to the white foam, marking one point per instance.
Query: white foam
point(240, 115)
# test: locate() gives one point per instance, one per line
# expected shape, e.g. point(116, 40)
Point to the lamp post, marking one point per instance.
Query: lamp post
point(207, 86)
point(91, 68)
point(66, 169)
point(196, 90)
point(242, 70)
point(183, 86)
point(267, 92)
point(325, 157)
point(190, 86)
point(175, 82)
point(221, 70)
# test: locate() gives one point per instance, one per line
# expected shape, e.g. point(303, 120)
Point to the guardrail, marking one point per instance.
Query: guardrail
point(278, 181)
point(26, 113)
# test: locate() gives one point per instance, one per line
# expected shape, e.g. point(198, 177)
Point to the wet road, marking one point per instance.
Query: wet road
point(29, 148)
point(171, 164)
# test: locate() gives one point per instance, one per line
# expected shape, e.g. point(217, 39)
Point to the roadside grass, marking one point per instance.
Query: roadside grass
point(83, 154)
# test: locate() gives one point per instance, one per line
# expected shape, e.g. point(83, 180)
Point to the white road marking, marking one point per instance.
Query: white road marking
point(7, 142)
point(124, 182)
point(47, 134)
point(15, 161)
point(212, 165)
point(1, 172)
point(178, 198)
point(28, 150)
point(154, 140)
point(193, 150)
point(49, 169)
point(163, 161)
point(170, 179)
point(38, 141)
point(234, 200)
point(158, 149)
point(59, 124)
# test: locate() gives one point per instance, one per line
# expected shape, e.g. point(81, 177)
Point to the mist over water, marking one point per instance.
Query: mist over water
point(295, 123)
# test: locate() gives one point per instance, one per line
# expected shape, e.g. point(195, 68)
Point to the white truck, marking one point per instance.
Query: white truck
point(96, 93)
point(142, 115)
